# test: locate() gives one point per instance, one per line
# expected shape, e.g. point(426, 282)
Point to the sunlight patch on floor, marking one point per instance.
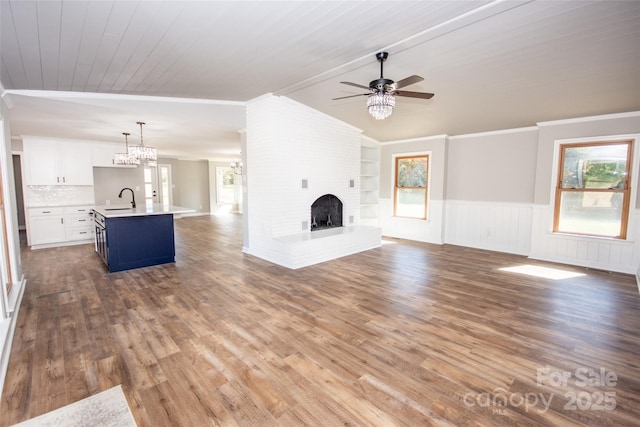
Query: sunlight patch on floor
point(223, 210)
point(544, 272)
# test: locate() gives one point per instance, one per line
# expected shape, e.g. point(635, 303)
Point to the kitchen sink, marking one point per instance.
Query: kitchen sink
point(117, 209)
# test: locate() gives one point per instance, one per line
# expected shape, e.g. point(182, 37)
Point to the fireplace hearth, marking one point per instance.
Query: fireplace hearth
point(326, 212)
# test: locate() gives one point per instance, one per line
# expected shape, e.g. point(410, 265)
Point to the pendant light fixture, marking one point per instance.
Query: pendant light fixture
point(142, 152)
point(236, 166)
point(125, 158)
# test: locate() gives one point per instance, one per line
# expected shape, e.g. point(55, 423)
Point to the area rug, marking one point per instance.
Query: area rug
point(105, 409)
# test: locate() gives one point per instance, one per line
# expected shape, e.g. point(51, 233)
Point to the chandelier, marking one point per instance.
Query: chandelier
point(237, 167)
point(125, 158)
point(142, 152)
point(380, 104)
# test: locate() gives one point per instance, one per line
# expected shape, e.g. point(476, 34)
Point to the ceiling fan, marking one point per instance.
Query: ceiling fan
point(382, 92)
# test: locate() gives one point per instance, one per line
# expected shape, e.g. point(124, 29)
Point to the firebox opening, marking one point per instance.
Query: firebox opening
point(326, 212)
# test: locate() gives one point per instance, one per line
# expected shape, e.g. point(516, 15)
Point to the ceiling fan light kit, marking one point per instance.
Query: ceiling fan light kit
point(382, 96)
point(381, 105)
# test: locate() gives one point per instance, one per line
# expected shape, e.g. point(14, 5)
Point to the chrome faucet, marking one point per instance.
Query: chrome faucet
point(133, 196)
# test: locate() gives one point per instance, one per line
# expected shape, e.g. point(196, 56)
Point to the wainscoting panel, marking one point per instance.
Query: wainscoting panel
point(600, 253)
point(517, 228)
point(429, 231)
point(504, 227)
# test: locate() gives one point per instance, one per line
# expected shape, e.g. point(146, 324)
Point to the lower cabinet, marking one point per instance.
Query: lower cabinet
point(46, 225)
point(78, 223)
point(59, 225)
point(139, 241)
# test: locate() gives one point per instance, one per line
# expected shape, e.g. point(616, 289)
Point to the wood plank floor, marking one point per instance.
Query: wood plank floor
point(408, 334)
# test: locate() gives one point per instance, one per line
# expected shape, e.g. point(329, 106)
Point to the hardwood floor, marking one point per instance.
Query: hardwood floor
point(408, 334)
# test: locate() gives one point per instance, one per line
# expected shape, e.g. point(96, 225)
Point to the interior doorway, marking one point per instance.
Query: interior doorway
point(17, 179)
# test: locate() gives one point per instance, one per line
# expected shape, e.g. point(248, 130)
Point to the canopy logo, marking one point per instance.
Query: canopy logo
point(594, 399)
point(500, 399)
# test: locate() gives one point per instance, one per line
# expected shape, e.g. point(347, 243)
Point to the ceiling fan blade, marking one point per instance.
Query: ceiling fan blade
point(422, 95)
point(408, 81)
point(356, 85)
point(351, 96)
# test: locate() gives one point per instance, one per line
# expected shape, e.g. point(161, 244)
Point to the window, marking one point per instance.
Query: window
point(165, 184)
point(410, 198)
point(150, 183)
point(225, 180)
point(593, 189)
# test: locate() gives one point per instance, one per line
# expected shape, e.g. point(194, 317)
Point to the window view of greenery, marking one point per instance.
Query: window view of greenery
point(226, 185)
point(595, 166)
point(411, 187)
point(591, 195)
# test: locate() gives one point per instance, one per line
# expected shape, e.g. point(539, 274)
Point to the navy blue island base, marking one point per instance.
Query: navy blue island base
point(128, 238)
point(139, 241)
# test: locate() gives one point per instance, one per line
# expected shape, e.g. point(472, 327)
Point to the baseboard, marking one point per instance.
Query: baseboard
point(60, 244)
point(191, 214)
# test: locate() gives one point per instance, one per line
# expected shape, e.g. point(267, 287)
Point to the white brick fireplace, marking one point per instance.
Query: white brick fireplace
point(294, 155)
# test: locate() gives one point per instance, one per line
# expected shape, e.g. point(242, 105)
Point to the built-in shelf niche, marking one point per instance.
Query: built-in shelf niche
point(369, 182)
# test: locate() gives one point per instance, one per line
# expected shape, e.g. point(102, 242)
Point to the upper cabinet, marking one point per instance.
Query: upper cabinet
point(103, 154)
point(57, 162)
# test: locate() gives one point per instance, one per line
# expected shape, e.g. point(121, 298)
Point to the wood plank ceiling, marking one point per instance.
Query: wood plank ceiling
point(213, 50)
point(492, 65)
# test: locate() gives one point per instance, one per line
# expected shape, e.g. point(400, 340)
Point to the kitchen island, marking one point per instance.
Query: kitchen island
point(128, 238)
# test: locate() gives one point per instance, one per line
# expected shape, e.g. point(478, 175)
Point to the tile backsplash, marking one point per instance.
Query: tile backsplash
point(58, 195)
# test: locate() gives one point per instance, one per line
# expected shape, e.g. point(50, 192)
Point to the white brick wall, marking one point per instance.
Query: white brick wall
point(286, 143)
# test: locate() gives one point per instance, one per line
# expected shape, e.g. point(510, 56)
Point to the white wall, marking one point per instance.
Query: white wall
point(192, 179)
point(498, 189)
point(495, 226)
point(430, 230)
point(490, 188)
point(9, 304)
point(607, 254)
point(108, 181)
point(286, 143)
point(190, 183)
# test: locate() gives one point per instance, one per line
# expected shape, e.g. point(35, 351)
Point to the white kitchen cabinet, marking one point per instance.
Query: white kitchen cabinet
point(57, 162)
point(102, 154)
point(78, 223)
point(59, 225)
point(46, 225)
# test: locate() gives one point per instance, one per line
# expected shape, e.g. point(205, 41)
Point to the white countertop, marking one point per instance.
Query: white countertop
point(117, 211)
